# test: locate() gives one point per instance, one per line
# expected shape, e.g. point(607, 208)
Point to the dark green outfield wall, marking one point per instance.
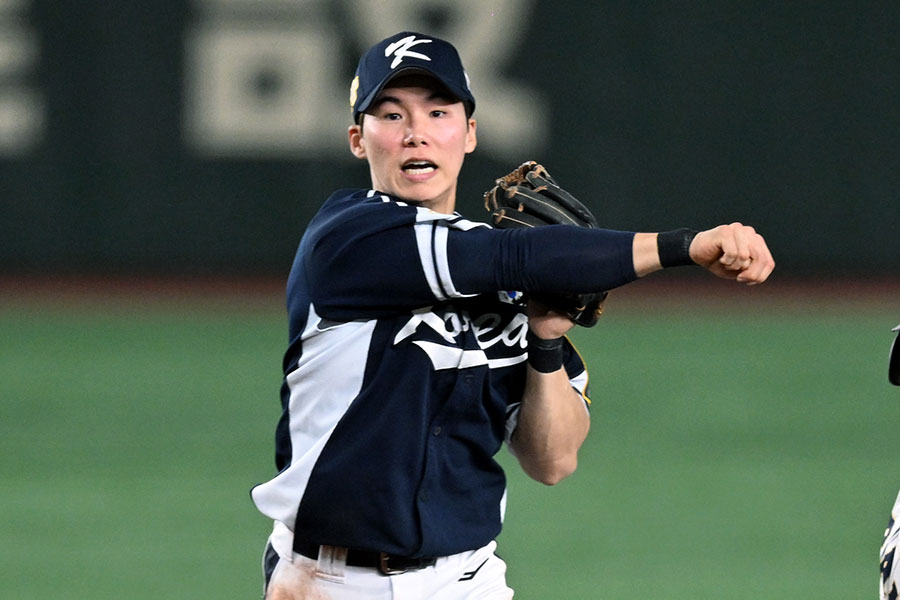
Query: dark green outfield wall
point(197, 137)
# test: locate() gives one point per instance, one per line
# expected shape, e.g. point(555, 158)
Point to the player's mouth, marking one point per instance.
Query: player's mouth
point(418, 167)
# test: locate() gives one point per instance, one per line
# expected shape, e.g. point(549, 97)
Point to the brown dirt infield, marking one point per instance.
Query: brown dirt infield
point(663, 290)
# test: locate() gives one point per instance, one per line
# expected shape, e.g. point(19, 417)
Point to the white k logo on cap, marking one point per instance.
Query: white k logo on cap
point(401, 49)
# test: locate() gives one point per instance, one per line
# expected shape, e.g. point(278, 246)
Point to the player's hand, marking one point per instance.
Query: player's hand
point(547, 323)
point(733, 251)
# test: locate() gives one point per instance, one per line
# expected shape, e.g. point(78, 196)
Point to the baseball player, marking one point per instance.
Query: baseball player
point(890, 571)
point(414, 354)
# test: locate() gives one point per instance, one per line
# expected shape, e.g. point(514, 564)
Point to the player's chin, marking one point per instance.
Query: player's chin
point(425, 194)
point(421, 191)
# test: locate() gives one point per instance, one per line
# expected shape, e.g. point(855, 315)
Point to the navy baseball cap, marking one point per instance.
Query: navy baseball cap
point(408, 52)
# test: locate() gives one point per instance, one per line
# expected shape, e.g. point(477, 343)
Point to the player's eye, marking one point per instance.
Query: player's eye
point(392, 116)
point(438, 112)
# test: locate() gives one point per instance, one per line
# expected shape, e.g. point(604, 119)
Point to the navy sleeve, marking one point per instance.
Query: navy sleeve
point(373, 256)
point(363, 260)
point(556, 258)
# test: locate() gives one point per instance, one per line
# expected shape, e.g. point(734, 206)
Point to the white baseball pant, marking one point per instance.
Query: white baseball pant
point(474, 575)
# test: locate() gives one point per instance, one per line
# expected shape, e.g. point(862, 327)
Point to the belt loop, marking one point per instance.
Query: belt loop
point(331, 563)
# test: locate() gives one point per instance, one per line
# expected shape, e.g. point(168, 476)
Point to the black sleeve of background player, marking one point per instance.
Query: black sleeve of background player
point(555, 258)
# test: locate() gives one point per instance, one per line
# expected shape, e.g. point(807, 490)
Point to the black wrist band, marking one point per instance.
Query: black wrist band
point(544, 356)
point(674, 247)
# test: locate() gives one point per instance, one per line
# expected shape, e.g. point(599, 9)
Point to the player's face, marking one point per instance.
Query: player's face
point(415, 139)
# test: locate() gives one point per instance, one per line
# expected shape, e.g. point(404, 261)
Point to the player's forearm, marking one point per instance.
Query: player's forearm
point(654, 251)
point(552, 425)
point(645, 254)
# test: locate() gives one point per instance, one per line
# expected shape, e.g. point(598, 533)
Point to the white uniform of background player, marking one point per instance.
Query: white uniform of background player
point(890, 571)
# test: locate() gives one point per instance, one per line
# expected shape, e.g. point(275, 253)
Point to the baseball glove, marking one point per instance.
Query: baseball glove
point(529, 197)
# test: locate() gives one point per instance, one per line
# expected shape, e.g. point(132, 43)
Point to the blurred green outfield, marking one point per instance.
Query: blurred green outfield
point(737, 451)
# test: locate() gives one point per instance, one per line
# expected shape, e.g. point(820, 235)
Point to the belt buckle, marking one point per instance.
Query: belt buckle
point(386, 569)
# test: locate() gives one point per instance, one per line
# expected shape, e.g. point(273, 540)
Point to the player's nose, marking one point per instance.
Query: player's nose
point(415, 134)
point(414, 139)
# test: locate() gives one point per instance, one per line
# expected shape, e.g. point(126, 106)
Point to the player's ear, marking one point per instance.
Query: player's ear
point(357, 143)
point(471, 138)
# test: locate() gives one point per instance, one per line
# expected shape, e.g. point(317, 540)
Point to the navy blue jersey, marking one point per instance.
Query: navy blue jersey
point(405, 369)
